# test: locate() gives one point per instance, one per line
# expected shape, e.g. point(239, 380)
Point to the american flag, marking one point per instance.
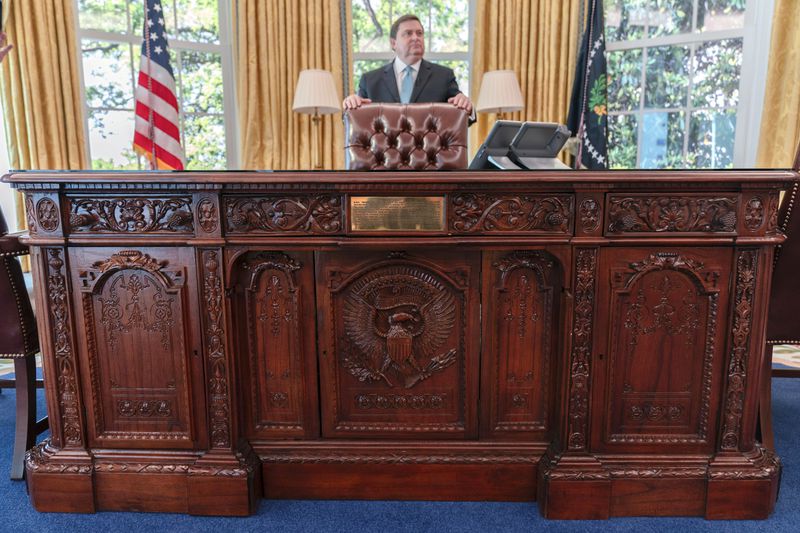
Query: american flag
point(156, 136)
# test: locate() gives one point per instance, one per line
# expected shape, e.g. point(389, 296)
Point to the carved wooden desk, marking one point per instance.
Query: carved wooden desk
point(591, 340)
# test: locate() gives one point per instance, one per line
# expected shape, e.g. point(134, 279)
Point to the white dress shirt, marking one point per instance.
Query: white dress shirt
point(399, 67)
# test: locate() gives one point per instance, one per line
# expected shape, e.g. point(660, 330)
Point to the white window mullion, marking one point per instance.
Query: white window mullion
point(84, 103)
point(687, 114)
point(640, 115)
point(676, 40)
point(230, 118)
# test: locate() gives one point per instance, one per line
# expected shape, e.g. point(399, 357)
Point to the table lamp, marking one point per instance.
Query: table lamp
point(499, 93)
point(316, 95)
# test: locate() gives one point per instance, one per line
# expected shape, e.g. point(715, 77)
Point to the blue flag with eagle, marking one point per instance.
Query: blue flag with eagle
point(588, 115)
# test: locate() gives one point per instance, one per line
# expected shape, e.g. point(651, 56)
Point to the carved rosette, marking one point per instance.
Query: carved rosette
point(737, 368)
point(207, 215)
point(641, 214)
point(580, 361)
point(215, 351)
point(144, 408)
point(131, 215)
point(47, 215)
point(298, 214)
point(589, 213)
point(530, 213)
point(66, 381)
point(754, 214)
point(400, 401)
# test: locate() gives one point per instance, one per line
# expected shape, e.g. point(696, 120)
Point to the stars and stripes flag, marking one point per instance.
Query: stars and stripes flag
point(156, 136)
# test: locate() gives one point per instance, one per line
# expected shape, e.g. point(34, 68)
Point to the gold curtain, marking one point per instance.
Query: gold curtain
point(537, 39)
point(276, 39)
point(40, 89)
point(781, 98)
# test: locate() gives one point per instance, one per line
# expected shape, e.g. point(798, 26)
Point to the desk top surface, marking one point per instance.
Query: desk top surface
point(455, 178)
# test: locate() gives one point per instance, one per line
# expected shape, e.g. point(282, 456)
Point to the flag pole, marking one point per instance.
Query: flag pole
point(584, 97)
point(150, 122)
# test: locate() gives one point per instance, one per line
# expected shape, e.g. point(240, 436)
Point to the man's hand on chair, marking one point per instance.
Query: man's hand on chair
point(354, 102)
point(461, 101)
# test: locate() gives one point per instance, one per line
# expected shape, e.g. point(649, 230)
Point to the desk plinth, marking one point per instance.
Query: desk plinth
point(590, 340)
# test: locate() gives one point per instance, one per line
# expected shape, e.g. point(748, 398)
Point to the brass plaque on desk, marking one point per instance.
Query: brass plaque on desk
point(397, 213)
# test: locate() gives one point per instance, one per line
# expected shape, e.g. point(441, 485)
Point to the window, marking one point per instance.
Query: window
point(110, 34)
point(676, 92)
point(447, 34)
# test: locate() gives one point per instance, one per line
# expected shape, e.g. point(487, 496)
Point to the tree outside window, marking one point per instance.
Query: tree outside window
point(110, 33)
point(674, 71)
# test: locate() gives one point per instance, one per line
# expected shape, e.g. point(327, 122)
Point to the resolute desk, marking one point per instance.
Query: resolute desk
point(591, 340)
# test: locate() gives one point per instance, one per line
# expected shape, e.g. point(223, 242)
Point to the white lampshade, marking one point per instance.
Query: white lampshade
point(316, 93)
point(500, 93)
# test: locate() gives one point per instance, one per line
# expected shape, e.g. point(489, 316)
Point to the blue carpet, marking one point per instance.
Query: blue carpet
point(380, 517)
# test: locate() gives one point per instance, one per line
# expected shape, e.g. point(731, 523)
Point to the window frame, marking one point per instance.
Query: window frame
point(224, 48)
point(752, 78)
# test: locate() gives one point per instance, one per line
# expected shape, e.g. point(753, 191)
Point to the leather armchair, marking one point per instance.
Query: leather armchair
point(783, 325)
point(406, 137)
point(20, 342)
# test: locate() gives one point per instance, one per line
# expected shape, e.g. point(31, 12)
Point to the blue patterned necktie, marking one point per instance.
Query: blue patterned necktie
point(407, 86)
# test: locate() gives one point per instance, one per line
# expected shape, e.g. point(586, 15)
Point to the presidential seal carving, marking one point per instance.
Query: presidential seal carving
point(397, 321)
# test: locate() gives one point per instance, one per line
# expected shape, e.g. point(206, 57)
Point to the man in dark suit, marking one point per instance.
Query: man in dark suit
point(408, 78)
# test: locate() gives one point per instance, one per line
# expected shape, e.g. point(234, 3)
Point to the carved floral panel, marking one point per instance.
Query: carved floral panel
point(670, 214)
point(131, 215)
point(529, 213)
point(322, 214)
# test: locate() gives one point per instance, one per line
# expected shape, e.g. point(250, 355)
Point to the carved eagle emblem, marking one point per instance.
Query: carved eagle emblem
point(396, 325)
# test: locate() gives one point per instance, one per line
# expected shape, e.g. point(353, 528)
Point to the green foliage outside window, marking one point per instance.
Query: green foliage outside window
point(673, 105)
point(111, 66)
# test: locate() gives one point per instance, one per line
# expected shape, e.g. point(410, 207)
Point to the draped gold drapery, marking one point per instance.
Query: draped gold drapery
point(40, 89)
point(780, 119)
point(537, 39)
point(275, 40)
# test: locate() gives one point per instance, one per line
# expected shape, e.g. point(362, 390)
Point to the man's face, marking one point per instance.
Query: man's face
point(409, 46)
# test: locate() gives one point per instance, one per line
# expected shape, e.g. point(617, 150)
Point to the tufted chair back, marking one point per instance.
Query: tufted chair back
point(406, 137)
point(18, 340)
point(17, 323)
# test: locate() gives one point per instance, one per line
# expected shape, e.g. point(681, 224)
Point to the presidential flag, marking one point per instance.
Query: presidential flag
point(588, 112)
point(156, 135)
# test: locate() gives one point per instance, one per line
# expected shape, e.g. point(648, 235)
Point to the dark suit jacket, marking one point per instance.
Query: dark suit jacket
point(434, 83)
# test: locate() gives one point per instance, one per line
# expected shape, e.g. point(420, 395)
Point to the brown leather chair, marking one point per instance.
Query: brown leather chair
point(406, 137)
point(783, 325)
point(20, 341)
